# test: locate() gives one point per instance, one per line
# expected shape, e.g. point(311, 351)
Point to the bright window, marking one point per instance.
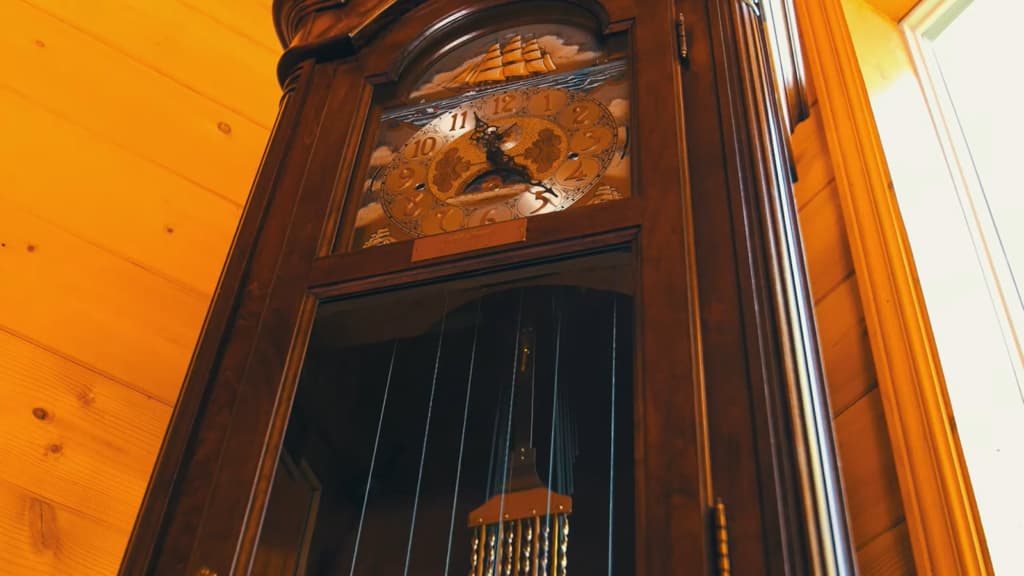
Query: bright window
point(967, 237)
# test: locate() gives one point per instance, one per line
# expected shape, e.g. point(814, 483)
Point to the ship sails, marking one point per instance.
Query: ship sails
point(515, 59)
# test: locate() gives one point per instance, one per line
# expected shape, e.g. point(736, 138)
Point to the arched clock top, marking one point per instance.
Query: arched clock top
point(504, 116)
point(337, 29)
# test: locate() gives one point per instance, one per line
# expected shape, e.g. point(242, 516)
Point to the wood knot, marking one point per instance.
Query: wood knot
point(169, 229)
point(55, 448)
point(30, 247)
point(40, 44)
point(86, 397)
point(40, 413)
point(224, 127)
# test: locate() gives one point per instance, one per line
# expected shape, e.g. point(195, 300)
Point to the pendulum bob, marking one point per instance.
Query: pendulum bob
point(523, 531)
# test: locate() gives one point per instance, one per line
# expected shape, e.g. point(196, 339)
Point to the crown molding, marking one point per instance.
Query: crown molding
point(330, 28)
point(291, 15)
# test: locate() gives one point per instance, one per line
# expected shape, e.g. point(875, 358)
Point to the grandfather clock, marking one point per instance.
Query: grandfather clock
point(517, 292)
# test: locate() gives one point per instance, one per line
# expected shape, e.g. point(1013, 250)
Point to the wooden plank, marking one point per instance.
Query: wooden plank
point(888, 554)
point(94, 306)
point(872, 492)
point(39, 537)
point(846, 352)
point(80, 439)
point(813, 164)
point(825, 245)
point(183, 45)
point(129, 104)
point(118, 201)
point(250, 19)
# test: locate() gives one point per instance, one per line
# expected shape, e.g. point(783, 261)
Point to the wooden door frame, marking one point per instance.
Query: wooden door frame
point(942, 520)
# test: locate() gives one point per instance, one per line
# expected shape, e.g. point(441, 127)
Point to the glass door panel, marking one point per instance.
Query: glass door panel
point(480, 426)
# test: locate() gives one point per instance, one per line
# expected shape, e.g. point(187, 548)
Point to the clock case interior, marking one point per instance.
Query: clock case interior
point(411, 416)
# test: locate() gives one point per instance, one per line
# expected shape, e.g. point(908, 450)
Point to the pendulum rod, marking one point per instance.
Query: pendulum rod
point(508, 433)
point(551, 449)
point(462, 444)
point(373, 457)
point(426, 435)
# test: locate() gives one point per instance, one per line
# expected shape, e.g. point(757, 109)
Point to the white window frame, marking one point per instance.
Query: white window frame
point(920, 27)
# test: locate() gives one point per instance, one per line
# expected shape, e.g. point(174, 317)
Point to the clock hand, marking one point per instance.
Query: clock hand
point(489, 137)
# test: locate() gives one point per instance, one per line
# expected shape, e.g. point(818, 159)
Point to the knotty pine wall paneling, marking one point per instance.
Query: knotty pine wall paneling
point(867, 466)
point(132, 130)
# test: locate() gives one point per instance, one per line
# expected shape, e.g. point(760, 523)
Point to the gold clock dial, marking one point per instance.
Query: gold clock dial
point(507, 155)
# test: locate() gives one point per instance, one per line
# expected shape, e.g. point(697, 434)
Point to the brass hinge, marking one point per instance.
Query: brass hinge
point(721, 539)
point(684, 49)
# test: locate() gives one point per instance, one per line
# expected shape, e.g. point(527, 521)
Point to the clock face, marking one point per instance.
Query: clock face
point(510, 155)
point(498, 150)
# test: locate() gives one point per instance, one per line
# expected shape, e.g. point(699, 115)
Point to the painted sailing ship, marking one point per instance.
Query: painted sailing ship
point(515, 59)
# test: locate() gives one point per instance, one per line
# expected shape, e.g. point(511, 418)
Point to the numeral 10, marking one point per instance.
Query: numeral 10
point(424, 146)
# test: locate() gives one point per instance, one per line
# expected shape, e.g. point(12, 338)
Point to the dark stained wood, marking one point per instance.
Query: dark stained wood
point(222, 319)
point(710, 408)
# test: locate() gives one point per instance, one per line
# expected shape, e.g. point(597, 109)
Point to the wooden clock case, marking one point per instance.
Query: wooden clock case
point(717, 414)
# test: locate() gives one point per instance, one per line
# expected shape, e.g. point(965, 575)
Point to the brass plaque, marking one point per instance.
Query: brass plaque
point(469, 239)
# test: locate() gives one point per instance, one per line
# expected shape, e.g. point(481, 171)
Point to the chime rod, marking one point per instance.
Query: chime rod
point(373, 456)
point(462, 439)
point(511, 405)
point(611, 446)
point(554, 417)
point(426, 435)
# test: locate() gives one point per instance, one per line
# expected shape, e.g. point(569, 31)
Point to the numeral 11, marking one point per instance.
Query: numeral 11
point(455, 121)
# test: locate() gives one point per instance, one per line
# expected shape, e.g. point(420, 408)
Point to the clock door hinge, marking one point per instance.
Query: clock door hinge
point(684, 49)
point(723, 566)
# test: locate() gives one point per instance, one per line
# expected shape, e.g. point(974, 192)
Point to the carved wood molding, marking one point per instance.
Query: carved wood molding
point(941, 517)
point(787, 61)
point(330, 28)
point(290, 15)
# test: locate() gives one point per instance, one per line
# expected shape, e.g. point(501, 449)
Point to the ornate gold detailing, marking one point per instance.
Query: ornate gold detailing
point(545, 150)
point(721, 539)
point(449, 168)
point(563, 547)
point(510, 558)
point(517, 58)
point(379, 238)
point(684, 49)
point(474, 559)
point(605, 194)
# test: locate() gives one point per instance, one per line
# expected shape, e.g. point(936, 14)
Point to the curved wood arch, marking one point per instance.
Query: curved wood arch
point(337, 29)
